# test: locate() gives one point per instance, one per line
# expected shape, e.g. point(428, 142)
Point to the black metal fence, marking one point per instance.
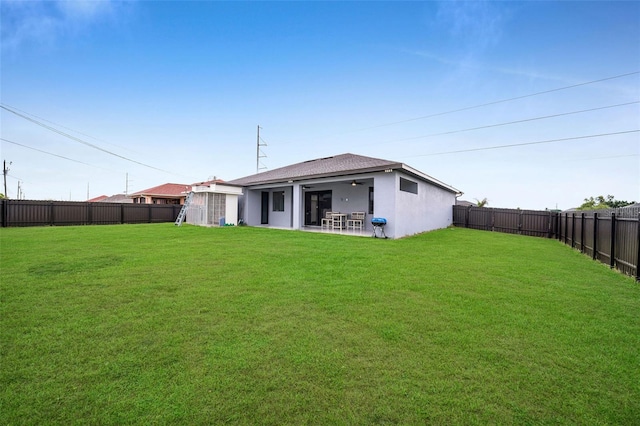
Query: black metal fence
point(609, 236)
point(43, 213)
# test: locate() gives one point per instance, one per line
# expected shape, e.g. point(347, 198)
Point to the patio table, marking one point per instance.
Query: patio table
point(339, 220)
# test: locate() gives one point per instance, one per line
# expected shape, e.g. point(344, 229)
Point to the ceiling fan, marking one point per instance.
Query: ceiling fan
point(354, 183)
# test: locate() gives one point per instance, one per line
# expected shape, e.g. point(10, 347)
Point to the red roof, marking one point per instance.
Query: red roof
point(165, 190)
point(96, 199)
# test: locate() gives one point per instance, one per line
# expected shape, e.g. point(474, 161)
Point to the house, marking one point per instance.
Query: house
point(300, 195)
point(168, 193)
point(214, 203)
point(97, 199)
point(118, 198)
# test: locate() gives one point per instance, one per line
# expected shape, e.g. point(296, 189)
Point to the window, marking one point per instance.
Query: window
point(371, 200)
point(278, 201)
point(407, 185)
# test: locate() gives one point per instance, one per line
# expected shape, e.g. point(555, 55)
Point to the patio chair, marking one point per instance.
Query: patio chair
point(356, 221)
point(327, 220)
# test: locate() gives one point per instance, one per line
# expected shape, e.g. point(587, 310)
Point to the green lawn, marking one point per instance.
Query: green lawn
point(157, 324)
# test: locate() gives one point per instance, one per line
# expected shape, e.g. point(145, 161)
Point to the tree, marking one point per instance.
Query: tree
point(482, 203)
point(601, 202)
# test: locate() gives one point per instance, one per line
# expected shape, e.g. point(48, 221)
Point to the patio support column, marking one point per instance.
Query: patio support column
point(296, 206)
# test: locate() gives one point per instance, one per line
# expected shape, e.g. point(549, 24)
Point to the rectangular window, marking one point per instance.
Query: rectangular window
point(371, 200)
point(278, 201)
point(407, 185)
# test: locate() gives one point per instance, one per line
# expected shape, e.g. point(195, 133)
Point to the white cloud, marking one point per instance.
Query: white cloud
point(84, 9)
point(44, 22)
point(478, 24)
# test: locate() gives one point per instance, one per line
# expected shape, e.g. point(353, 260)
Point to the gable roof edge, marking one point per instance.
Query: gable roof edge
point(430, 179)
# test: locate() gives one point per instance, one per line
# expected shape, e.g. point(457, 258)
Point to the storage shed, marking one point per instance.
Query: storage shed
point(214, 204)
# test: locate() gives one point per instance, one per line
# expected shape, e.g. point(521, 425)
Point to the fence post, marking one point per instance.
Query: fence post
point(52, 219)
point(122, 213)
point(466, 217)
point(595, 235)
point(612, 260)
point(149, 212)
point(493, 220)
point(520, 222)
point(573, 230)
point(4, 212)
point(90, 213)
point(638, 250)
point(559, 225)
point(582, 233)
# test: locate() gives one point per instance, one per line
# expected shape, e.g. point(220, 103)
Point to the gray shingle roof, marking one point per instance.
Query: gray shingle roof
point(337, 165)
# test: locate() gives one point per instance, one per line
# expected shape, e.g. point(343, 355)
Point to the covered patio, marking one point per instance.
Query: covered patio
point(311, 204)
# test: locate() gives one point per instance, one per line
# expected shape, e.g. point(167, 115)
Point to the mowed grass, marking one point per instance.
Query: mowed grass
point(157, 324)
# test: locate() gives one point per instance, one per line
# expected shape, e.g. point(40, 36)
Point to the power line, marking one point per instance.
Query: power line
point(65, 127)
point(53, 129)
point(513, 122)
point(438, 114)
point(51, 153)
point(496, 102)
point(17, 178)
point(524, 144)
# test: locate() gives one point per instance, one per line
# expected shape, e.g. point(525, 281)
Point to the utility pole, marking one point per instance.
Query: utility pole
point(259, 154)
point(5, 170)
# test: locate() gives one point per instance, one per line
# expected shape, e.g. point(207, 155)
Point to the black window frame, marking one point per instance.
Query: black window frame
point(407, 185)
point(278, 201)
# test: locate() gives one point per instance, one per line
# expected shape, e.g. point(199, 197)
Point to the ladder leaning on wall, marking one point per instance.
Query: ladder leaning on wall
point(183, 210)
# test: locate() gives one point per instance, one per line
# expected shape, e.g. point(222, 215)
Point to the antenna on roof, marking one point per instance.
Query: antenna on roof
point(259, 153)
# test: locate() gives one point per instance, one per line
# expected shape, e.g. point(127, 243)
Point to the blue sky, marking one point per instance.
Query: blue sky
point(176, 90)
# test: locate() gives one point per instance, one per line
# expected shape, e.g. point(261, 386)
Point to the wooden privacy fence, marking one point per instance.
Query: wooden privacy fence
point(525, 222)
point(609, 236)
point(43, 213)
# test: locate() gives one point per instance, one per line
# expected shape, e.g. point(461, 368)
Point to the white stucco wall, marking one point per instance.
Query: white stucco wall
point(348, 199)
point(429, 209)
point(253, 207)
point(231, 209)
point(384, 201)
point(281, 219)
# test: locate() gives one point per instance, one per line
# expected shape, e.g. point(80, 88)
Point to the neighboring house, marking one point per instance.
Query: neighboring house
point(214, 203)
point(299, 195)
point(465, 203)
point(118, 198)
point(97, 199)
point(168, 193)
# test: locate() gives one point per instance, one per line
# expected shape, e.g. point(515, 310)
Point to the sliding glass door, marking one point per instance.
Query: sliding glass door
point(316, 204)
